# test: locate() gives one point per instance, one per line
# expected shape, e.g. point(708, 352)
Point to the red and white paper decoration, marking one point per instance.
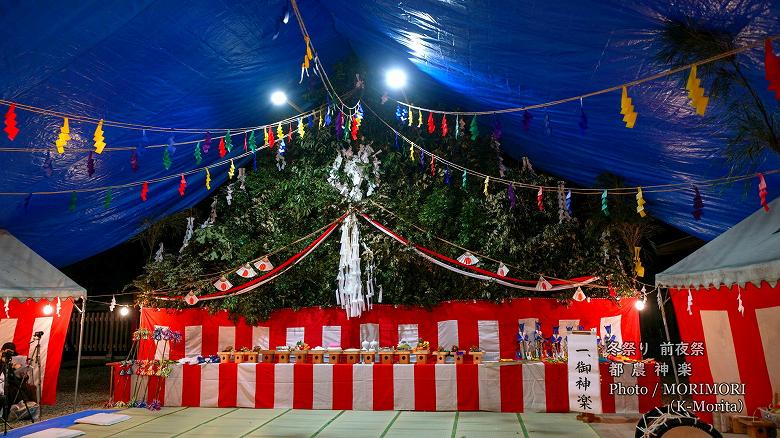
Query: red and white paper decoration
point(579, 295)
point(543, 285)
point(191, 298)
point(264, 265)
point(246, 271)
point(502, 270)
point(223, 284)
point(468, 259)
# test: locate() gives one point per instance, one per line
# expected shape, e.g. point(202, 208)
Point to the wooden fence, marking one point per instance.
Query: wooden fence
point(106, 334)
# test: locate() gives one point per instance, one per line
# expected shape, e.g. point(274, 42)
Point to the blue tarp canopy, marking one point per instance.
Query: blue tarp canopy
point(213, 64)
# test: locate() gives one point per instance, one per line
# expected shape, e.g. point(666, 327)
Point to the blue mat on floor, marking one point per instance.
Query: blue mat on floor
point(64, 421)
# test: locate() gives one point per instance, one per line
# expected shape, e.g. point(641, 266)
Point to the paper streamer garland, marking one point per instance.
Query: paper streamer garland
point(639, 270)
point(64, 136)
point(762, 192)
point(627, 109)
point(640, 203)
point(604, 203)
point(182, 185)
point(208, 179)
point(696, 93)
point(144, 191)
point(540, 199)
point(10, 122)
point(100, 143)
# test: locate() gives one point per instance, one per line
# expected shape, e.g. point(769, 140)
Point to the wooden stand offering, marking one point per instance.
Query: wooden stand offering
point(300, 356)
point(333, 356)
point(754, 427)
point(317, 356)
point(351, 357)
point(403, 356)
point(282, 356)
point(441, 356)
point(386, 357)
point(267, 356)
point(225, 356)
point(422, 356)
point(460, 357)
point(367, 357)
point(476, 356)
point(239, 357)
point(251, 356)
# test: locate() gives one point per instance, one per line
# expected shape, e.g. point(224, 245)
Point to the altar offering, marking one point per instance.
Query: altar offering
point(459, 355)
point(334, 353)
point(386, 355)
point(367, 357)
point(251, 355)
point(351, 355)
point(300, 352)
point(240, 356)
point(266, 356)
point(476, 354)
point(422, 351)
point(226, 354)
point(282, 354)
point(317, 354)
point(441, 355)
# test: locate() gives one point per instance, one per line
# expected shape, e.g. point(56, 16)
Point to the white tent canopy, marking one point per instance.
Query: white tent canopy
point(25, 274)
point(749, 252)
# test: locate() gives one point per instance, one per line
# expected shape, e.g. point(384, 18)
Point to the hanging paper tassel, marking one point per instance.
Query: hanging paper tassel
point(510, 192)
point(231, 169)
point(398, 113)
point(422, 161)
point(433, 165)
point(502, 269)
point(48, 166)
point(411, 152)
point(419, 119)
point(339, 125)
point(112, 304)
point(228, 141)
point(468, 258)
point(328, 118)
point(100, 144)
point(444, 128)
point(540, 199)
point(604, 203)
point(207, 143)
point(191, 299)
point(182, 185)
point(171, 146)
point(640, 203)
point(696, 93)
point(254, 162)
point(144, 191)
point(242, 178)
point(543, 285)
point(134, 161)
point(579, 295)
point(270, 140)
point(166, 159)
point(639, 270)
point(347, 127)
point(563, 212)
point(222, 149)
point(762, 192)
point(498, 132)
point(90, 164)
point(583, 123)
point(458, 122)
point(246, 271)
point(740, 307)
point(158, 256)
point(208, 179)
point(72, 203)
point(690, 302)
point(300, 128)
point(107, 199)
point(463, 180)
point(187, 234)
point(772, 68)
point(355, 125)
point(252, 142)
point(321, 122)
point(64, 136)
point(568, 203)
point(527, 117)
point(431, 124)
point(222, 284)
point(396, 145)
point(447, 176)
point(698, 204)
point(246, 136)
point(265, 136)
point(485, 188)
point(627, 109)
point(264, 265)
point(474, 129)
point(10, 122)
point(197, 154)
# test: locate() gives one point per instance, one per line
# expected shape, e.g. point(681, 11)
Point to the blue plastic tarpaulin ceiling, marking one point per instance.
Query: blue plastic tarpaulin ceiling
point(212, 64)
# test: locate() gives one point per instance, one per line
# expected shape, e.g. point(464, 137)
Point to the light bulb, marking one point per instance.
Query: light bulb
point(395, 78)
point(278, 98)
point(47, 309)
point(640, 305)
point(124, 311)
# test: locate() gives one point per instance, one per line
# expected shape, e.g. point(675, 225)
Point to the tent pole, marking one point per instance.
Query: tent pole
point(78, 359)
point(662, 305)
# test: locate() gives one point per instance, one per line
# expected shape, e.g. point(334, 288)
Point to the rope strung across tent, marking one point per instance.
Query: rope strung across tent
point(659, 188)
point(619, 87)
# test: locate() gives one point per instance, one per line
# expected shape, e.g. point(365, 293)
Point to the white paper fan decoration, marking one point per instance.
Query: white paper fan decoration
point(579, 295)
point(264, 265)
point(543, 285)
point(223, 284)
point(191, 298)
point(246, 271)
point(468, 259)
point(502, 270)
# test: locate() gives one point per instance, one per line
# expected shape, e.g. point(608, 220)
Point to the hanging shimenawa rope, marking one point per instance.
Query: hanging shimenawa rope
point(659, 188)
point(669, 72)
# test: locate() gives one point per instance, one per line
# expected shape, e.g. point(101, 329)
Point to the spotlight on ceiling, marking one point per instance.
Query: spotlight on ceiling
point(640, 305)
point(124, 311)
point(278, 98)
point(47, 309)
point(395, 78)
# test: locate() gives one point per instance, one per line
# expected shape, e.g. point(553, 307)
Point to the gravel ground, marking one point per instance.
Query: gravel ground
point(93, 389)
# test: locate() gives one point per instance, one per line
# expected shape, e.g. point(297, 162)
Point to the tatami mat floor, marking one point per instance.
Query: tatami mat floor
point(230, 422)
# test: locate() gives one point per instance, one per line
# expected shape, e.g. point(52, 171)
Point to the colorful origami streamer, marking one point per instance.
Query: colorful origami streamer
point(540, 199)
point(107, 199)
point(419, 119)
point(208, 179)
point(270, 141)
point(772, 68)
point(231, 169)
point(627, 109)
point(762, 192)
point(510, 193)
point(207, 143)
point(144, 191)
point(64, 136)
point(640, 203)
point(485, 188)
point(431, 124)
point(638, 268)
point(166, 159)
point(182, 185)
point(222, 149)
point(474, 129)
point(228, 141)
point(444, 128)
point(71, 205)
point(134, 161)
point(252, 142)
point(604, 203)
point(696, 93)
point(100, 143)
point(11, 129)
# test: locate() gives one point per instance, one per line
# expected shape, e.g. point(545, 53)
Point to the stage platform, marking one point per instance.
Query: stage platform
point(240, 422)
